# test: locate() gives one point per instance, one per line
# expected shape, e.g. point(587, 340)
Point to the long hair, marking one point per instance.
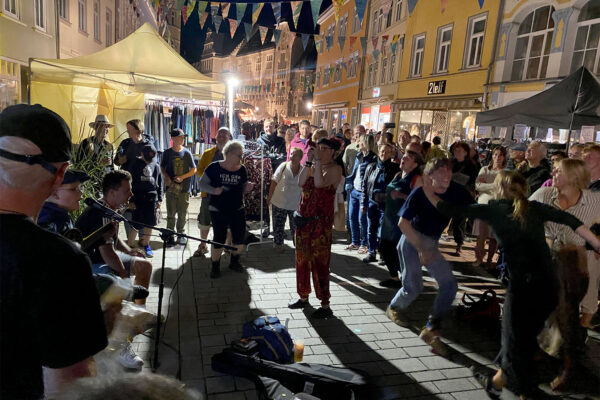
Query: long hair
point(513, 186)
point(576, 171)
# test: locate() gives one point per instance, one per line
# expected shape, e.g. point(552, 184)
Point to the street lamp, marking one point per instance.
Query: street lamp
point(309, 106)
point(232, 83)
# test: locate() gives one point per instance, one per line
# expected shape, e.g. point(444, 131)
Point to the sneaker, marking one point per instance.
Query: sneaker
point(129, 359)
point(298, 304)
point(148, 251)
point(181, 240)
point(171, 241)
point(432, 338)
point(486, 382)
point(369, 258)
point(139, 292)
point(391, 283)
point(235, 264)
point(322, 313)
point(396, 316)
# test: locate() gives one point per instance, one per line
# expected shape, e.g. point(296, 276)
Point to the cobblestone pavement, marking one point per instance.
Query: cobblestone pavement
point(204, 315)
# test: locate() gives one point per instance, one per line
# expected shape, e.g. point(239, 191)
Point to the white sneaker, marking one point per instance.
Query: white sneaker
point(129, 359)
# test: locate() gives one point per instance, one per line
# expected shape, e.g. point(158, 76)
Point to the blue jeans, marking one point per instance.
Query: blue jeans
point(412, 281)
point(374, 219)
point(358, 219)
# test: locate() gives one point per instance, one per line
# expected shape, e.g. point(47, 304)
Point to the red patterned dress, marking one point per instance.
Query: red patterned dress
point(313, 240)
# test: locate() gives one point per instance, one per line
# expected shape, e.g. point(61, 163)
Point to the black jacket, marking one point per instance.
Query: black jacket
point(272, 145)
point(359, 167)
point(377, 176)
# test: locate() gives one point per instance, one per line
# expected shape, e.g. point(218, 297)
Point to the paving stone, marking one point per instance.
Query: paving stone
point(220, 384)
point(454, 385)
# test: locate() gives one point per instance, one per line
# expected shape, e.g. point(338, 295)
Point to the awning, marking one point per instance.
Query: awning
point(331, 105)
point(438, 104)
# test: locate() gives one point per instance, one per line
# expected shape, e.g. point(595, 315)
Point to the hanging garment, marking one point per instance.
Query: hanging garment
point(252, 200)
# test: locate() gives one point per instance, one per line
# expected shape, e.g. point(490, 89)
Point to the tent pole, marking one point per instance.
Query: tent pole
point(574, 109)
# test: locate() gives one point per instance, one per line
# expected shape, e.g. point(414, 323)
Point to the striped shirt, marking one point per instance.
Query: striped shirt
point(587, 210)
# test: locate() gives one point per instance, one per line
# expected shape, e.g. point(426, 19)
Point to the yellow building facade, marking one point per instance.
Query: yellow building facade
point(339, 65)
point(446, 63)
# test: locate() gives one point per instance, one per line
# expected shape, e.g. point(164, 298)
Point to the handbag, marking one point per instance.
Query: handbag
point(301, 221)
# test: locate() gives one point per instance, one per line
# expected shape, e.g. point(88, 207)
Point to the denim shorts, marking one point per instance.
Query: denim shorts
point(126, 259)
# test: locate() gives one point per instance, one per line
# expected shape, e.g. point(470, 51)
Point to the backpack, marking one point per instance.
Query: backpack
point(274, 341)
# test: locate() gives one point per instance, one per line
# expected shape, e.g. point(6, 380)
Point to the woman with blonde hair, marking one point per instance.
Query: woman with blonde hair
point(532, 294)
point(569, 193)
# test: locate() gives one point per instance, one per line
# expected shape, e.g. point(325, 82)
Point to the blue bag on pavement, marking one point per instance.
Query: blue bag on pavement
point(274, 341)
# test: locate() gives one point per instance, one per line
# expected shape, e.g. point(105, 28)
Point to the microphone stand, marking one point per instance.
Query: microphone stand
point(165, 234)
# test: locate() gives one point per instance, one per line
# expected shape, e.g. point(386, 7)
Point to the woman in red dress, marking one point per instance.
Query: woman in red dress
point(319, 181)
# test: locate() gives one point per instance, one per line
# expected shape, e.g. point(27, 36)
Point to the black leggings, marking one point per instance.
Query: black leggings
point(235, 220)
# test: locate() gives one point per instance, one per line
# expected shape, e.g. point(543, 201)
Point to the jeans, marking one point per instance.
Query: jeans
point(374, 219)
point(412, 281)
point(358, 219)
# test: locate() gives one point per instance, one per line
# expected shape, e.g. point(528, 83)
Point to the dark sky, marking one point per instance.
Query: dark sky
point(193, 37)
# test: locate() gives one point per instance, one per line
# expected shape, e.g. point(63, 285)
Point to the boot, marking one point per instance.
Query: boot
point(235, 264)
point(215, 272)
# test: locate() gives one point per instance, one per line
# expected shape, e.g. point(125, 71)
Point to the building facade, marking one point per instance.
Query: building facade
point(446, 64)
point(379, 82)
point(339, 64)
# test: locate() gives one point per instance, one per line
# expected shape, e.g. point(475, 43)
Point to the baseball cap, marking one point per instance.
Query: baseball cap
point(45, 128)
point(519, 147)
point(72, 175)
point(176, 132)
point(149, 151)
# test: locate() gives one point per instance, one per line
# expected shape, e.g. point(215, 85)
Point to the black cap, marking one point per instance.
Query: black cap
point(331, 143)
point(149, 151)
point(72, 175)
point(45, 128)
point(176, 132)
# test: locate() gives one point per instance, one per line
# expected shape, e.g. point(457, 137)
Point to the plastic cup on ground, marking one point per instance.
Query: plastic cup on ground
point(298, 350)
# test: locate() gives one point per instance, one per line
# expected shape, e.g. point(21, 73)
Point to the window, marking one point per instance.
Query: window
point(326, 74)
point(417, 55)
point(82, 13)
point(398, 10)
point(476, 33)
point(380, 26)
point(353, 65)
point(109, 28)
point(269, 63)
point(39, 9)
point(375, 18)
point(392, 62)
point(388, 21)
point(318, 83)
point(97, 20)
point(117, 21)
point(383, 75)
point(337, 74)
point(587, 41)
point(532, 49)
point(343, 24)
point(11, 7)
point(374, 74)
point(63, 9)
point(370, 75)
point(258, 64)
point(356, 25)
point(282, 63)
point(331, 32)
point(443, 49)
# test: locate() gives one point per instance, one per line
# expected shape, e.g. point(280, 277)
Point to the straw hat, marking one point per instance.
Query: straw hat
point(101, 120)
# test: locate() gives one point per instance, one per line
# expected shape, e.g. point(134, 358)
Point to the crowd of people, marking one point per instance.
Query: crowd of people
point(402, 194)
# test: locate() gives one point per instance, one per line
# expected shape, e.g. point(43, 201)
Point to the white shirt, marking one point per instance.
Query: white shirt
point(288, 192)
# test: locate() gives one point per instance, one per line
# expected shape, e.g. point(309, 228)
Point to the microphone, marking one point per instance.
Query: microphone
point(107, 211)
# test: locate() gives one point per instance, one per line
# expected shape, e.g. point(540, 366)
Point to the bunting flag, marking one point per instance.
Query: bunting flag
point(337, 8)
point(363, 42)
point(263, 33)
point(248, 29)
point(184, 14)
point(481, 3)
point(361, 6)
point(240, 11)
point(296, 11)
point(375, 39)
point(375, 54)
point(190, 8)
point(352, 41)
point(411, 6)
point(315, 7)
point(329, 41)
point(276, 35)
point(225, 9)
point(276, 11)
point(318, 46)
point(384, 40)
point(444, 4)
point(233, 25)
point(214, 11)
point(305, 37)
point(341, 41)
point(180, 3)
point(201, 6)
point(203, 18)
point(256, 9)
point(394, 43)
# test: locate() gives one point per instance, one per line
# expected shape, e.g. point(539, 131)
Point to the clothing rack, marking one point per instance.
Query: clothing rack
point(257, 148)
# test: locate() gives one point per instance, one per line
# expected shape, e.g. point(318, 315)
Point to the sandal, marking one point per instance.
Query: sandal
point(363, 250)
point(351, 247)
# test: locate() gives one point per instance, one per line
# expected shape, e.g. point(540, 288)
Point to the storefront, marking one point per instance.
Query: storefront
point(10, 83)
point(331, 116)
point(373, 117)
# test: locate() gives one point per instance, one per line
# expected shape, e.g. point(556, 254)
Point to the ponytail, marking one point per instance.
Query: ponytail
point(520, 205)
point(512, 185)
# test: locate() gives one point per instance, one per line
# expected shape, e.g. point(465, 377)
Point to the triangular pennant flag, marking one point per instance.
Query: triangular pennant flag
point(395, 38)
point(263, 33)
point(276, 35)
point(315, 7)
point(361, 6)
point(411, 6)
point(375, 39)
point(256, 9)
point(248, 29)
point(240, 11)
point(190, 8)
point(329, 40)
point(376, 54)
point(179, 4)
point(184, 14)
point(233, 25)
point(337, 7)
point(393, 47)
point(480, 3)
point(352, 41)
point(363, 42)
point(225, 9)
point(318, 46)
point(201, 6)
point(341, 41)
point(296, 11)
point(203, 18)
point(444, 4)
point(276, 11)
point(305, 37)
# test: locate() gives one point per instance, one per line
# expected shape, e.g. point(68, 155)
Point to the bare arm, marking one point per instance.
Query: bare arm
point(110, 257)
point(271, 191)
point(589, 236)
point(306, 171)
point(165, 176)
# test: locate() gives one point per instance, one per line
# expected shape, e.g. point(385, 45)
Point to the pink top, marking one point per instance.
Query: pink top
point(303, 144)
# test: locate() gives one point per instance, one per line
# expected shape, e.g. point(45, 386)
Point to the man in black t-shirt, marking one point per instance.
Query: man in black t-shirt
point(49, 309)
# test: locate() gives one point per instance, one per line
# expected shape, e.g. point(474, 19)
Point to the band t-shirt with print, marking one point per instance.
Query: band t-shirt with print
point(177, 163)
point(233, 183)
